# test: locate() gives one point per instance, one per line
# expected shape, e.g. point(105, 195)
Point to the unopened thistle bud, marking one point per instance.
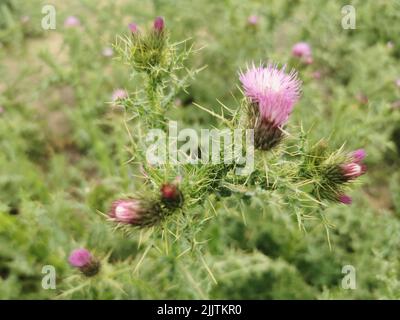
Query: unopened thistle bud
point(135, 212)
point(171, 196)
point(353, 170)
point(333, 173)
point(347, 171)
point(159, 24)
point(84, 261)
point(345, 199)
point(272, 94)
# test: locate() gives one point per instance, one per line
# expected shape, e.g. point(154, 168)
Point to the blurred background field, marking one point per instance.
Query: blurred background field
point(63, 149)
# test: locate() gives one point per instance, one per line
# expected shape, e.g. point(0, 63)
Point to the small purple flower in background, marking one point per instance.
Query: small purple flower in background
point(345, 199)
point(83, 260)
point(133, 27)
point(316, 75)
point(397, 82)
point(275, 91)
point(119, 94)
point(253, 20)
point(159, 24)
point(107, 52)
point(127, 211)
point(303, 51)
point(72, 22)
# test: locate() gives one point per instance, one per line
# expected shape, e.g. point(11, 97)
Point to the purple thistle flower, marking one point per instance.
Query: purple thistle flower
point(119, 94)
point(127, 211)
point(358, 155)
point(133, 27)
point(71, 22)
point(345, 199)
point(83, 260)
point(274, 91)
point(253, 20)
point(301, 50)
point(159, 24)
point(80, 258)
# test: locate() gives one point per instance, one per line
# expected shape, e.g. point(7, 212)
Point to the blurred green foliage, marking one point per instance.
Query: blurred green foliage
point(63, 151)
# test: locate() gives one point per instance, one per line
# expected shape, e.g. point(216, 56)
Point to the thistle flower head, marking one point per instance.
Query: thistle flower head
point(118, 94)
point(253, 20)
point(80, 258)
point(273, 90)
point(358, 155)
point(345, 199)
point(301, 50)
point(133, 27)
point(159, 24)
point(71, 22)
point(83, 260)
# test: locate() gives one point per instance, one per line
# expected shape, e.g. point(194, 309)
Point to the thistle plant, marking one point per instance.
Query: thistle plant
point(176, 198)
point(270, 94)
